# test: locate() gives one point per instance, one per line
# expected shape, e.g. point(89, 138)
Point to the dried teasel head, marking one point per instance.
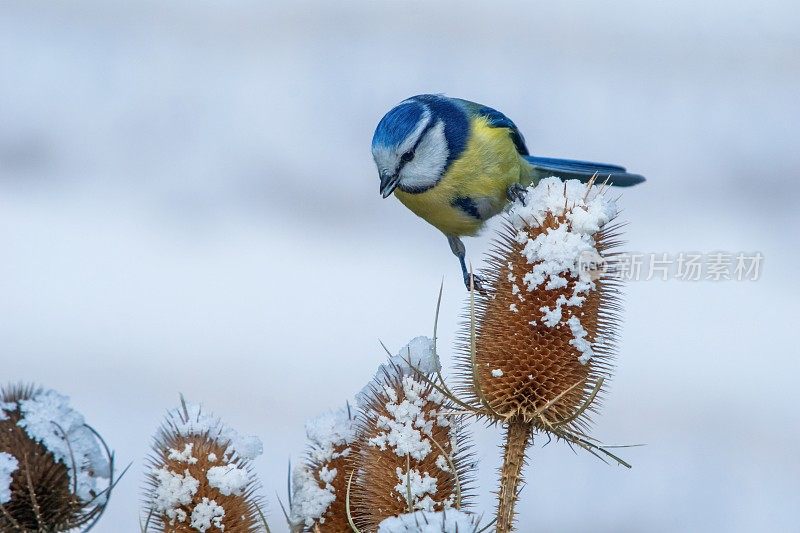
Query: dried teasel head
point(319, 486)
point(412, 454)
point(543, 334)
point(199, 477)
point(56, 473)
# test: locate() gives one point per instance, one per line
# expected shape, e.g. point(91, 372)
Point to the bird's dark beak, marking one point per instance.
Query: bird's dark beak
point(388, 183)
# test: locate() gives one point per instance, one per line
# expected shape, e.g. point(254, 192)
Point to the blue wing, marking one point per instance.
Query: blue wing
point(496, 119)
point(544, 167)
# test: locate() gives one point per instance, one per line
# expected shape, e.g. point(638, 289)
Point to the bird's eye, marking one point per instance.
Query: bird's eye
point(406, 157)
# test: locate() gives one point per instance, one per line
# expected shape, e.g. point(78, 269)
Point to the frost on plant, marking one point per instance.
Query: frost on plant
point(206, 515)
point(8, 465)
point(190, 420)
point(229, 479)
point(412, 454)
point(199, 476)
point(420, 352)
point(5, 408)
point(557, 257)
point(450, 521)
point(55, 472)
point(319, 485)
point(48, 418)
point(173, 491)
point(419, 355)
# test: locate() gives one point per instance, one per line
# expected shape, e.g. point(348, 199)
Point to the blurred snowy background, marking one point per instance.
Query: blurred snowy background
point(188, 204)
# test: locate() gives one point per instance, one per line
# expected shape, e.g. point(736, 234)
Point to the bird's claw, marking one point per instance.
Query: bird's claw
point(473, 280)
point(516, 193)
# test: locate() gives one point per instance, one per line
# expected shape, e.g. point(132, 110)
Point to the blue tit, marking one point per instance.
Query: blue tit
point(457, 164)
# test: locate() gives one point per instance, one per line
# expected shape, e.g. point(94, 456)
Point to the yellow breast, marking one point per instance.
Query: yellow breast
point(484, 171)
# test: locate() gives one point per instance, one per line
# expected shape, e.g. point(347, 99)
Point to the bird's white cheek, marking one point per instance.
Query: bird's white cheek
point(430, 158)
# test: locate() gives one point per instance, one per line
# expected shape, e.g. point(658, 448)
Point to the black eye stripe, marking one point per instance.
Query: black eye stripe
point(403, 160)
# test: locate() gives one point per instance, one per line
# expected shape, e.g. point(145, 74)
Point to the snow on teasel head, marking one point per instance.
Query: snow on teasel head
point(544, 331)
point(199, 476)
point(452, 521)
point(418, 356)
point(412, 453)
point(319, 487)
point(55, 472)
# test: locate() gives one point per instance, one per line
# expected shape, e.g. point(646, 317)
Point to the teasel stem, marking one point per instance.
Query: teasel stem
point(518, 436)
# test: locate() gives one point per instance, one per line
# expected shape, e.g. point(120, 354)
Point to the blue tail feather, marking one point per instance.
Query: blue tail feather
point(565, 169)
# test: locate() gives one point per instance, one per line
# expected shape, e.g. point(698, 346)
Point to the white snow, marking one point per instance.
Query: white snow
point(327, 475)
point(329, 431)
point(8, 465)
point(420, 351)
point(6, 406)
point(553, 253)
point(175, 492)
point(587, 213)
point(442, 464)
point(199, 422)
point(557, 255)
point(309, 500)
point(330, 436)
point(184, 456)
point(229, 479)
point(194, 421)
point(448, 521)
point(552, 316)
point(407, 431)
point(207, 514)
point(172, 491)
point(248, 447)
point(579, 339)
point(419, 486)
point(497, 373)
point(406, 428)
point(48, 419)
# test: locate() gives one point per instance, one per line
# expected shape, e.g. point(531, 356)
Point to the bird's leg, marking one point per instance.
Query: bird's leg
point(457, 246)
point(516, 193)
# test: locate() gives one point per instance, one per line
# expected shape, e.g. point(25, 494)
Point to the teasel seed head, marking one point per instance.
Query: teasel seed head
point(199, 477)
point(319, 486)
point(545, 329)
point(56, 473)
point(412, 453)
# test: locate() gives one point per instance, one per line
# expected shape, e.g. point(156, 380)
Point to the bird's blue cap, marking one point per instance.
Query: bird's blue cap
point(398, 123)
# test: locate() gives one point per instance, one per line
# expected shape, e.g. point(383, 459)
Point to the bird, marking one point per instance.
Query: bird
point(456, 164)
